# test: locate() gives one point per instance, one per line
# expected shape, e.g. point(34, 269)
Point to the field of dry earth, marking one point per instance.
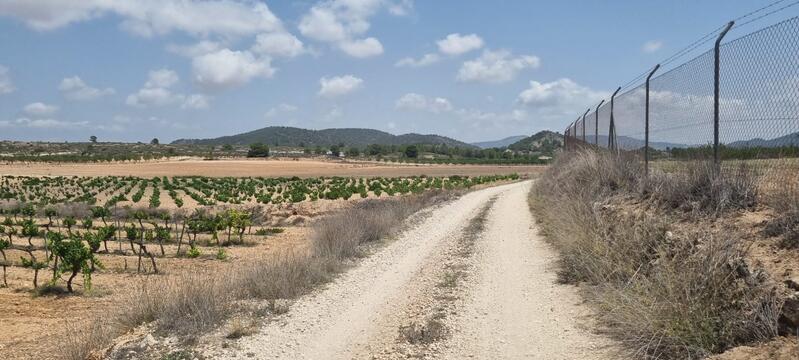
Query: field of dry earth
point(258, 167)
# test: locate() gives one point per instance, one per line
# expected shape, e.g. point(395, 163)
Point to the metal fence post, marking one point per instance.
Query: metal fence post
point(574, 134)
point(612, 130)
point(586, 113)
point(646, 127)
point(716, 70)
point(596, 123)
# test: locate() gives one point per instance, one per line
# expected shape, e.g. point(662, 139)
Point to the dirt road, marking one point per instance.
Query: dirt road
point(470, 279)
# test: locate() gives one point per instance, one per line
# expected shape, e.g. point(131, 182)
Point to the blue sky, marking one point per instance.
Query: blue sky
point(127, 70)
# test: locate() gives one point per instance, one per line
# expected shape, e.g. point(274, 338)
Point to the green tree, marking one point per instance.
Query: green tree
point(411, 151)
point(258, 150)
point(75, 257)
point(154, 141)
point(93, 139)
point(335, 149)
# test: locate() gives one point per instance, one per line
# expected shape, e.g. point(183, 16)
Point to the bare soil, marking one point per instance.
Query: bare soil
point(32, 324)
point(258, 167)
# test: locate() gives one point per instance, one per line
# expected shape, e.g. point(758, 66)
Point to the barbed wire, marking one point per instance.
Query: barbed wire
point(710, 36)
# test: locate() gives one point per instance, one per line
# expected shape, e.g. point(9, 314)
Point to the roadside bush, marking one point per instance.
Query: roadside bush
point(699, 298)
point(700, 187)
point(186, 304)
point(339, 236)
point(285, 275)
point(661, 292)
point(695, 186)
point(786, 221)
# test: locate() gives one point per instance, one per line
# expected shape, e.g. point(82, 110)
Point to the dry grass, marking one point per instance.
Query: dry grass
point(240, 328)
point(89, 336)
point(426, 332)
point(340, 236)
point(187, 304)
point(702, 188)
point(284, 276)
point(663, 291)
point(194, 303)
point(786, 222)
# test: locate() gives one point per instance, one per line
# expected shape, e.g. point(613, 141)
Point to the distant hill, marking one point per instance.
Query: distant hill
point(291, 136)
point(544, 142)
point(787, 140)
point(498, 143)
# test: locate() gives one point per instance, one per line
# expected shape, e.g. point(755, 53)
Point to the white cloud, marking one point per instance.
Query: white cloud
point(201, 48)
point(40, 109)
point(558, 93)
point(150, 17)
point(48, 123)
point(401, 8)
point(280, 44)
point(226, 69)
point(496, 67)
point(453, 45)
point(196, 102)
point(362, 48)
point(339, 85)
point(413, 101)
point(322, 24)
point(74, 88)
point(156, 90)
point(6, 86)
point(457, 44)
point(551, 102)
point(427, 59)
point(152, 97)
point(162, 78)
point(280, 109)
point(652, 46)
point(344, 22)
point(50, 14)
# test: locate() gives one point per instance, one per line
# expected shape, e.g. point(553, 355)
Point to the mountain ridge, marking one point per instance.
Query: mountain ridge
point(292, 136)
point(544, 141)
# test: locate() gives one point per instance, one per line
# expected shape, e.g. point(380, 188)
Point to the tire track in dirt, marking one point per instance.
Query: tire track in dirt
point(506, 306)
point(514, 309)
point(336, 322)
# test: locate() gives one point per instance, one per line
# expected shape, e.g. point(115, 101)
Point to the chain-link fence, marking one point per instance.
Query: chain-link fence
point(736, 105)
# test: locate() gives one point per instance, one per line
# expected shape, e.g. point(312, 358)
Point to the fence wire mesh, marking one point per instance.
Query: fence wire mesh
point(758, 111)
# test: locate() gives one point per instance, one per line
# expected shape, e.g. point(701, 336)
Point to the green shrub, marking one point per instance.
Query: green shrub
point(193, 253)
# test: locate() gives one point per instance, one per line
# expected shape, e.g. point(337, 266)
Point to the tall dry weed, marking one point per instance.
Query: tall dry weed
point(661, 292)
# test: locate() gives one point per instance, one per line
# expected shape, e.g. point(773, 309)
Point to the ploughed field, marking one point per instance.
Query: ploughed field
point(258, 167)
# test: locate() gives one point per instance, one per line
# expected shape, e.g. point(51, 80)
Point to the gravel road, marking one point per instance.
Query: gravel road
point(504, 304)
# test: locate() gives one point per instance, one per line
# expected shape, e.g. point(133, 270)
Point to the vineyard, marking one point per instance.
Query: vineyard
point(58, 227)
point(110, 191)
